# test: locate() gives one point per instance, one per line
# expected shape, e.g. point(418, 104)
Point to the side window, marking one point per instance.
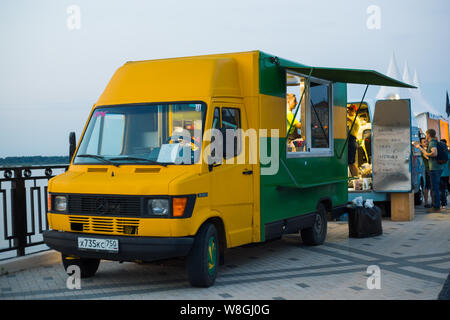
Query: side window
point(309, 123)
point(231, 122)
point(231, 118)
point(296, 115)
point(320, 115)
point(216, 119)
point(215, 125)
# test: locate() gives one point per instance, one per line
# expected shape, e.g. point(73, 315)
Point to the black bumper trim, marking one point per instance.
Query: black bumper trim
point(130, 248)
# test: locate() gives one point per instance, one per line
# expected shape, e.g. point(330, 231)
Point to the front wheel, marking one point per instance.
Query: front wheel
point(88, 267)
point(204, 257)
point(317, 233)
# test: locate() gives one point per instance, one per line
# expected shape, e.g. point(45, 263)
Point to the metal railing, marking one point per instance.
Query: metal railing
point(24, 212)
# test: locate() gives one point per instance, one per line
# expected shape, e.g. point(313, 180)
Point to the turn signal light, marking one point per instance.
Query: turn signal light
point(178, 206)
point(49, 202)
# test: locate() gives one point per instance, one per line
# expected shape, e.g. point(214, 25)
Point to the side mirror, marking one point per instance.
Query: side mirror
point(72, 145)
point(212, 164)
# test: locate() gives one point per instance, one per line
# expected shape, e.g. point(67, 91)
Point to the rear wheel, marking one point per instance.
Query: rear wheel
point(317, 233)
point(88, 267)
point(203, 260)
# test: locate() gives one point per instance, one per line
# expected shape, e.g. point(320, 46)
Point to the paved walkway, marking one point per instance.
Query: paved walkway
point(413, 257)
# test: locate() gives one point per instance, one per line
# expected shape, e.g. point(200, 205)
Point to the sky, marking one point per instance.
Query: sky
point(52, 72)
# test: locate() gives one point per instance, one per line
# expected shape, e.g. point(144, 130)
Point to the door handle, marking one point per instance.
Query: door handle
point(247, 172)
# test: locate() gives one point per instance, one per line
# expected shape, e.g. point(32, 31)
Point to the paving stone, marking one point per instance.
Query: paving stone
point(414, 265)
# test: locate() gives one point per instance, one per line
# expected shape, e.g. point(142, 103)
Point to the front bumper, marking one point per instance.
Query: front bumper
point(130, 248)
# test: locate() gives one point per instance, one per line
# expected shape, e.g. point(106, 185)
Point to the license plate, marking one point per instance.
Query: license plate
point(110, 245)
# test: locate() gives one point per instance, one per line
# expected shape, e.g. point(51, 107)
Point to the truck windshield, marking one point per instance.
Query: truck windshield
point(161, 134)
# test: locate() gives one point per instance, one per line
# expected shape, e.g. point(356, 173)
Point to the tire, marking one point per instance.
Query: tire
point(203, 259)
point(88, 267)
point(317, 233)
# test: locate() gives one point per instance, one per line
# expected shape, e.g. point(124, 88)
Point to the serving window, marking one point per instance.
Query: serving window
point(309, 122)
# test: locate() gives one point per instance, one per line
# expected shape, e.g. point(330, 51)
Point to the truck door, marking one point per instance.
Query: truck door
point(392, 146)
point(232, 184)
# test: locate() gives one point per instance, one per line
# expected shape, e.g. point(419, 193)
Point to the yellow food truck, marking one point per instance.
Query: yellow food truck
point(186, 157)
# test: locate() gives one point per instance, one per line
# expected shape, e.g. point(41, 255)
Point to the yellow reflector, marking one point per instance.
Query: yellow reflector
point(179, 204)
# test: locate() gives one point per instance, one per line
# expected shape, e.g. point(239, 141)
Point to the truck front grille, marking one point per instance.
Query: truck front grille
point(105, 205)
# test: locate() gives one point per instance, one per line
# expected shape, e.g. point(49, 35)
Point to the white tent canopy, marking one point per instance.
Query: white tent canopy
point(390, 92)
point(418, 103)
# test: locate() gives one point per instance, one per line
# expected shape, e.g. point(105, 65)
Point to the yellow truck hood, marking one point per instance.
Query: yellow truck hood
point(129, 180)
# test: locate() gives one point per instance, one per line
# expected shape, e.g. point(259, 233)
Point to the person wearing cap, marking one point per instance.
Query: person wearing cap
point(352, 141)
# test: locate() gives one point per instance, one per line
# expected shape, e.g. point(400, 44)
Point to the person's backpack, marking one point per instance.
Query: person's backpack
point(442, 153)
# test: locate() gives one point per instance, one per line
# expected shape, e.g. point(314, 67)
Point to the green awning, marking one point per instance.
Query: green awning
point(346, 75)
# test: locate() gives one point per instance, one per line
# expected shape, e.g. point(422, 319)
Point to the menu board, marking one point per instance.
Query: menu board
point(392, 146)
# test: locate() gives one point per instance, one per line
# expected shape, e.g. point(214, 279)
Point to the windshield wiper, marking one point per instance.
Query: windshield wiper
point(98, 158)
point(141, 159)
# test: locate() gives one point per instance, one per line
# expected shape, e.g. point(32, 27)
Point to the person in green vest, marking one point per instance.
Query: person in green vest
point(435, 169)
point(293, 133)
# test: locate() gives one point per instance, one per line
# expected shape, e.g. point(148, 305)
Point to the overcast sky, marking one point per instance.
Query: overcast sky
point(51, 75)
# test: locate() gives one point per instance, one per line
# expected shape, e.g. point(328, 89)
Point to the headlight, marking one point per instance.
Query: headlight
point(158, 207)
point(60, 203)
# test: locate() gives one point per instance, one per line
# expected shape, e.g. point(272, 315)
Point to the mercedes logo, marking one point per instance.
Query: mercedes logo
point(101, 205)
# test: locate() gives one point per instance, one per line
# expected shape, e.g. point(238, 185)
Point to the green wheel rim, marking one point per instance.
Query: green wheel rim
point(212, 253)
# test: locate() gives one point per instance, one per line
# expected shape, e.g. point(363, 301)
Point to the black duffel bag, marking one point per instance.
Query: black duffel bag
point(364, 222)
